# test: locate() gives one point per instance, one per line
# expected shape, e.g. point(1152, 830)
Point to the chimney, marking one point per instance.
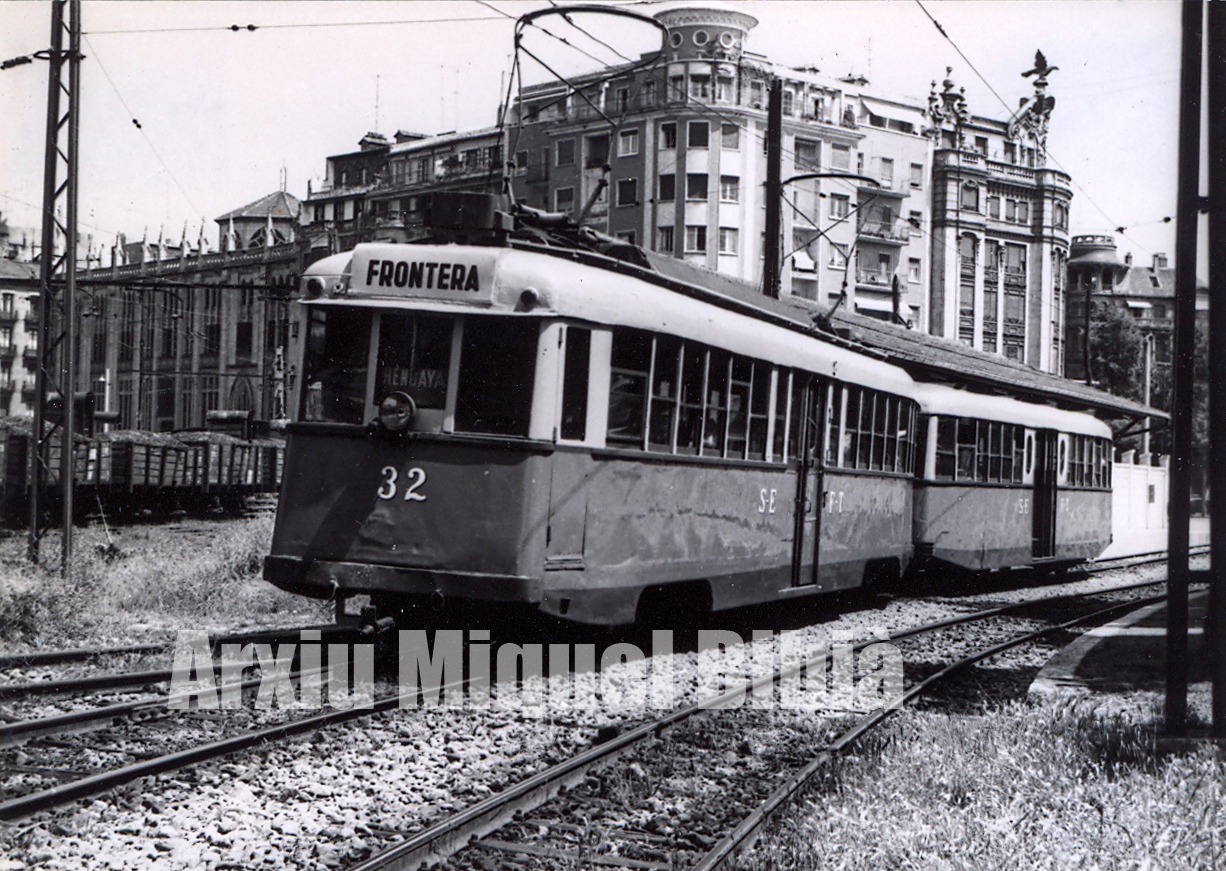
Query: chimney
point(1128, 259)
point(1160, 262)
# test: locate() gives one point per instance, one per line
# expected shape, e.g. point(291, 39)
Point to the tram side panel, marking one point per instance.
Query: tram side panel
point(1083, 497)
point(865, 520)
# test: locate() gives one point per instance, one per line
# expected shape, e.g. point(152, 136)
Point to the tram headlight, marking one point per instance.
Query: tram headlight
point(397, 411)
point(314, 287)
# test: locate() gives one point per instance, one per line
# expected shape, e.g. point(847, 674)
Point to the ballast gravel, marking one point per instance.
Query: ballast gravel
point(331, 798)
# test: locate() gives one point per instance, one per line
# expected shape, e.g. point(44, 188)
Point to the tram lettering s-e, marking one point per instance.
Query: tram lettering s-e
point(577, 423)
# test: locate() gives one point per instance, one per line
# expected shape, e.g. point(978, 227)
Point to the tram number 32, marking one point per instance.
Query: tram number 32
point(416, 478)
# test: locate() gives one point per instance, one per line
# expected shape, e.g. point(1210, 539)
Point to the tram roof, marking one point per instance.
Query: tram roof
point(925, 357)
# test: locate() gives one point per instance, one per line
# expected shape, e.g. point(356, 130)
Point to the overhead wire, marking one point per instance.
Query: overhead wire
point(144, 133)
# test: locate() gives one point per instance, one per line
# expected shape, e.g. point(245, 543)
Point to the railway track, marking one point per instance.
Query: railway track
point(575, 789)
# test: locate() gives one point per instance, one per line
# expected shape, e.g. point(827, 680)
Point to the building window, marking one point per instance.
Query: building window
point(723, 89)
point(597, 152)
point(566, 152)
point(917, 175)
point(700, 87)
point(916, 220)
point(628, 143)
point(1023, 212)
point(840, 156)
point(623, 100)
point(887, 172)
point(840, 205)
point(913, 270)
point(994, 207)
point(668, 135)
point(695, 239)
point(728, 240)
point(808, 155)
point(838, 255)
point(731, 135)
point(649, 92)
point(521, 159)
point(668, 188)
point(627, 191)
point(970, 197)
point(698, 133)
point(981, 145)
point(787, 102)
point(676, 87)
point(696, 186)
point(757, 92)
point(729, 188)
point(564, 199)
point(664, 240)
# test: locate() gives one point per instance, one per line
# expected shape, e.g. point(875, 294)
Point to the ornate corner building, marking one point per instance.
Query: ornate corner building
point(1000, 219)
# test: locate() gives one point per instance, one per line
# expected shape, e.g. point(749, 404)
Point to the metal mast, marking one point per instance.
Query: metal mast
point(57, 278)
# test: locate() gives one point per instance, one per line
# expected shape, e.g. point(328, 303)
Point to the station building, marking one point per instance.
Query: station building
point(170, 334)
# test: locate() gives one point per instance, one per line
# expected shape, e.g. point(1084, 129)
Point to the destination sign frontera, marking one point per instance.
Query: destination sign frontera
point(429, 274)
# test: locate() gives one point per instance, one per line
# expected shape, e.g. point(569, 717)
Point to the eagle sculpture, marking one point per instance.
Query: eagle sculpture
point(1041, 69)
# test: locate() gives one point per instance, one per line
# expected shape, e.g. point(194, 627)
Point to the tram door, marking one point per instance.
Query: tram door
point(810, 403)
point(1045, 467)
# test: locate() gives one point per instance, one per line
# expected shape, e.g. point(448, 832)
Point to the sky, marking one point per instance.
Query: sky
point(224, 114)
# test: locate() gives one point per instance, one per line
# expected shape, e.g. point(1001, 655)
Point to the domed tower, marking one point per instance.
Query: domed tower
point(1094, 270)
point(705, 34)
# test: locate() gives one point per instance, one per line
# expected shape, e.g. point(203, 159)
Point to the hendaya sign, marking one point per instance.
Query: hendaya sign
point(435, 273)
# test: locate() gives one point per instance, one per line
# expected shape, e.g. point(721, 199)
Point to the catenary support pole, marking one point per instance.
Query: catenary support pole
point(1179, 496)
point(1216, 92)
point(771, 267)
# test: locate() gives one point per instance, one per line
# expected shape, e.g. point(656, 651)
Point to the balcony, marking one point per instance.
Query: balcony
point(7, 386)
point(29, 357)
point(31, 322)
point(8, 352)
point(874, 278)
point(894, 232)
point(8, 316)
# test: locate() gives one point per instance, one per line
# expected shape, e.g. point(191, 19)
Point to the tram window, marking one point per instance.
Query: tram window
point(797, 415)
point(335, 365)
point(890, 461)
point(866, 431)
point(497, 365)
point(1063, 448)
point(414, 357)
point(664, 393)
point(880, 417)
point(759, 408)
point(574, 383)
point(966, 450)
point(783, 391)
point(630, 363)
point(693, 377)
point(715, 417)
point(1029, 454)
point(739, 391)
point(833, 424)
point(946, 448)
point(851, 428)
point(982, 454)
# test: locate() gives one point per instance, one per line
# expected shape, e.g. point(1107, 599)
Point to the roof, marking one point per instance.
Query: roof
point(279, 204)
point(931, 358)
point(18, 269)
point(925, 357)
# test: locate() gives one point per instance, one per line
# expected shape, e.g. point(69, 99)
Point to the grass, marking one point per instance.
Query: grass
point(1052, 787)
point(182, 575)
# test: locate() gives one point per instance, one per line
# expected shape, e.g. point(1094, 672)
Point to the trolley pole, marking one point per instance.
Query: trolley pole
point(57, 277)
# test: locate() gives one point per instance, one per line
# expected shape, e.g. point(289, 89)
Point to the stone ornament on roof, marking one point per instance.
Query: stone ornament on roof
point(947, 108)
point(1034, 113)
